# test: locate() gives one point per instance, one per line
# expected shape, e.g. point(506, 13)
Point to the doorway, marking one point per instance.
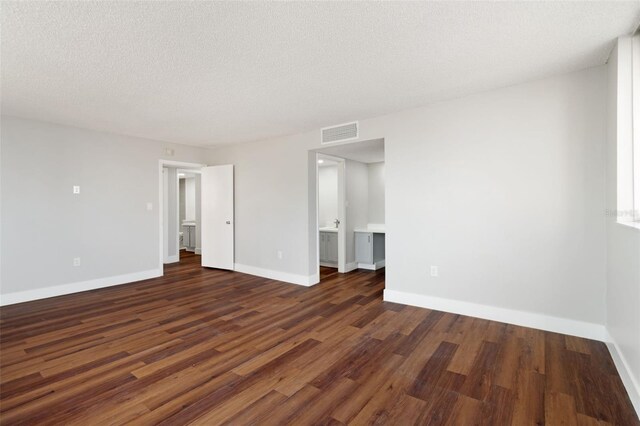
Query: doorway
point(331, 212)
point(350, 185)
point(196, 219)
point(189, 212)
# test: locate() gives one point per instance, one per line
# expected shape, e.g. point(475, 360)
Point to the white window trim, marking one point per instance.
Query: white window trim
point(627, 148)
point(635, 125)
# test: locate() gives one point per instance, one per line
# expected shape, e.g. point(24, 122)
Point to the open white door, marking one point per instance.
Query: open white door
point(217, 217)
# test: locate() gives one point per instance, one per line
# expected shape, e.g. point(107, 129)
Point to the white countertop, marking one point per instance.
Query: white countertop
point(328, 229)
point(372, 230)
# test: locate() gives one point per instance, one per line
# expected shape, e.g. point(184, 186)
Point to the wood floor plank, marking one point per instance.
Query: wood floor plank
point(205, 346)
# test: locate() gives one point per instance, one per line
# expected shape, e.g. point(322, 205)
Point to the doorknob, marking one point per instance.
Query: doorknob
point(228, 222)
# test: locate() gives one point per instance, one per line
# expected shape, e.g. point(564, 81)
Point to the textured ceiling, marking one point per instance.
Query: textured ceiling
point(205, 73)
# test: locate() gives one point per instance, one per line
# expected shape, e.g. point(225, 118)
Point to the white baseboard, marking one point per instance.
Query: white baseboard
point(198, 250)
point(628, 379)
point(172, 259)
point(372, 266)
point(494, 313)
point(59, 290)
point(352, 266)
point(305, 280)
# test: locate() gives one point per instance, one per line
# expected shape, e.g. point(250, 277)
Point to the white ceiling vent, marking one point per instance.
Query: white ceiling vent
point(342, 132)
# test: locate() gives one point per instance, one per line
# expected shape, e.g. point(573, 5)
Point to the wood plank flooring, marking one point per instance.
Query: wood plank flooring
point(213, 347)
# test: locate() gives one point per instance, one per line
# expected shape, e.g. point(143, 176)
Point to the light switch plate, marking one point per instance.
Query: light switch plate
point(76, 189)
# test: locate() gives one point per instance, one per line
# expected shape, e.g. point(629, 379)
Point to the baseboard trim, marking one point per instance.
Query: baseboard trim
point(304, 280)
point(172, 259)
point(60, 290)
point(372, 266)
point(630, 383)
point(352, 266)
point(521, 318)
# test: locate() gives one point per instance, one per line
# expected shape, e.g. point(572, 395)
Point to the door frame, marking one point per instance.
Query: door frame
point(161, 164)
point(342, 214)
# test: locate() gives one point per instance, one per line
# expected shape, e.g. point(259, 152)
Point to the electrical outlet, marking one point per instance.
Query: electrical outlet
point(149, 206)
point(76, 261)
point(279, 254)
point(76, 189)
point(434, 271)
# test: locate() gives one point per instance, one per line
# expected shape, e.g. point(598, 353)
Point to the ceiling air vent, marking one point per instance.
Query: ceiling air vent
point(342, 132)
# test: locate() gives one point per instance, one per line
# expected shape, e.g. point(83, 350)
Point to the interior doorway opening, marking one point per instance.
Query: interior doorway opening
point(196, 218)
point(350, 207)
point(331, 212)
point(189, 211)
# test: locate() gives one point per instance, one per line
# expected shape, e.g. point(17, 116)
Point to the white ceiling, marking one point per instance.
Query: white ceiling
point(206, 73)
point(365, 152)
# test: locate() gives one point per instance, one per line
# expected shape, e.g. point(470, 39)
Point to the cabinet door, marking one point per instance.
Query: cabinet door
point(186, 241)
point(332, 248)
point(364, 247)
point(192, 236)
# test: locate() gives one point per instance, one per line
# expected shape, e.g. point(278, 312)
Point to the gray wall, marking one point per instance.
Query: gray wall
point(272, 203)
point(503, 190)
point(376, 193)
point(44, 226)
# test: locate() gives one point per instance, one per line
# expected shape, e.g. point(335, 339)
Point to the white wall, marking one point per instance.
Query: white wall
point(182, 202)
point(171, 223)
point(107, 224)
point(376, 193)
point(165, 214)
point(272, 201)
point(198, 207)
point(503, 190)
point(623, 241)
point(357, 204)
point(190, 198)
point(327, 195)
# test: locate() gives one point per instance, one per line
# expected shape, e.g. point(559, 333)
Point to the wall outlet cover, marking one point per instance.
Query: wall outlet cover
point(434, 271)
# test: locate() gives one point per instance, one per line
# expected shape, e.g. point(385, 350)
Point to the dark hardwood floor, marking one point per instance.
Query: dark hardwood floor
point(213, 347)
